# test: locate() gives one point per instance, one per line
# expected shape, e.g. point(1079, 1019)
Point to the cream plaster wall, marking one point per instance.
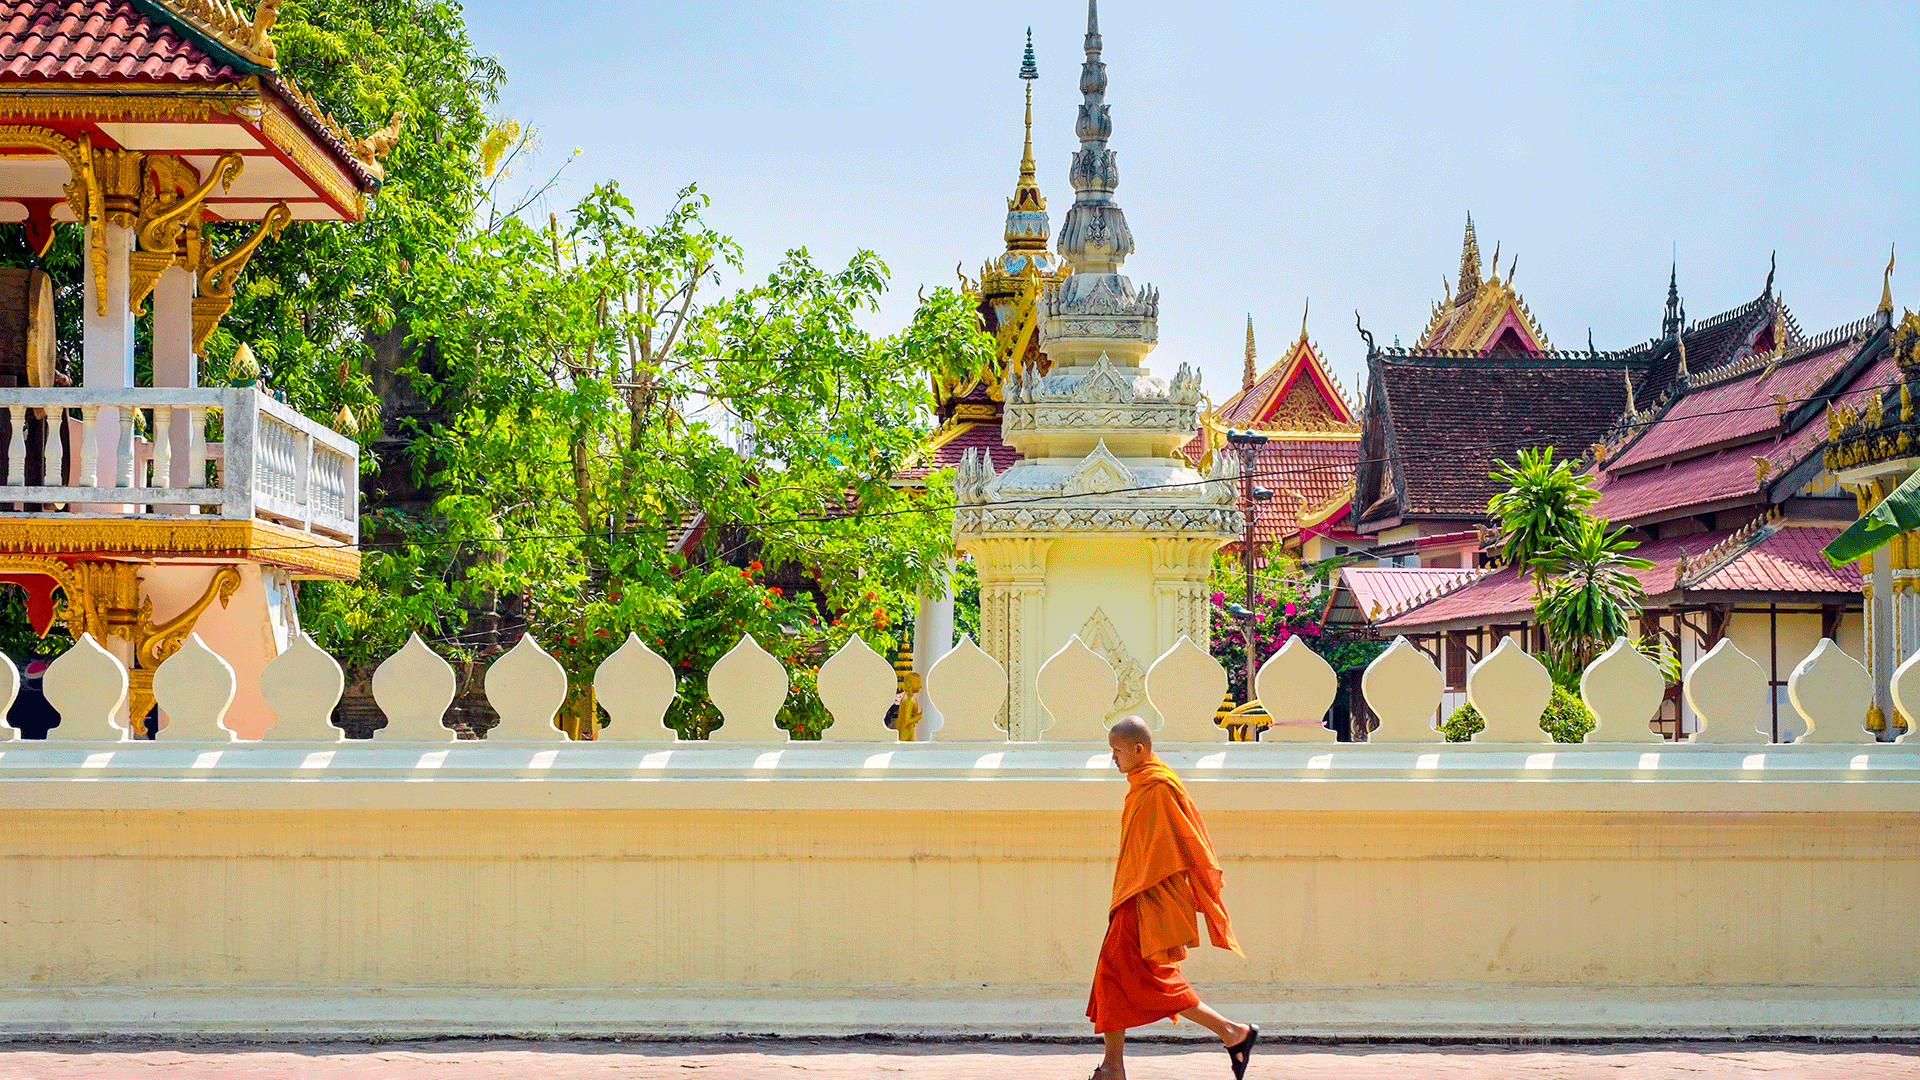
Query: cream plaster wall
point(1431, 909)
point(1517, 889)
point(1114, 575)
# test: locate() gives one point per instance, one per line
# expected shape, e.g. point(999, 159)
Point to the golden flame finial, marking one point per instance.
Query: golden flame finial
point(1886, 285)
point(1246, 380)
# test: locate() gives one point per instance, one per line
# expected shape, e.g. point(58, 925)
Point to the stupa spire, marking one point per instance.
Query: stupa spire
point(1246, 380)
point(1027, 227)
point(1095, 238)
point(1469, 266)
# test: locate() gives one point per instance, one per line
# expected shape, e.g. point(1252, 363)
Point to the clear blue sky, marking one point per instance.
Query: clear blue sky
point(1272, 152)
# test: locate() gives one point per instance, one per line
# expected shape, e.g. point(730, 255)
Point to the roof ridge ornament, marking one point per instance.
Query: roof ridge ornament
point(1886, 286)
point(1246, 379)
point(1469, 266)
point(224, 23)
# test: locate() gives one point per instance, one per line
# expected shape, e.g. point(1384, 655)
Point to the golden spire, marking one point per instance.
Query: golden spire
point(1027, 228)
point(1886, 285)
point(1469, 266)
point(1303, 318)
point(1246, 380)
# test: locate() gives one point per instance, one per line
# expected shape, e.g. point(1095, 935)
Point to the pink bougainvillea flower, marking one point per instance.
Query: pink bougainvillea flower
point(1292, 610)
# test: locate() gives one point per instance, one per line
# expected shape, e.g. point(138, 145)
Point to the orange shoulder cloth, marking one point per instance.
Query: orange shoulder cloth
point(1167, 862)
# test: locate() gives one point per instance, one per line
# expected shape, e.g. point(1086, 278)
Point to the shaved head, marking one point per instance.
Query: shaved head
point(1130, 730)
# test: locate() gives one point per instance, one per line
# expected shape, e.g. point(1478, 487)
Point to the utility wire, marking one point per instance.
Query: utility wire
point(828, 519)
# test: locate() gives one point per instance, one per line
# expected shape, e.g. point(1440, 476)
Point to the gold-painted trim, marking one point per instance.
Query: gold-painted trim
point(154, 644)
point(294, 140)
point(306, 554)
point(134, 105)
point(162, 222)
point(83, 191)
point(78, 605)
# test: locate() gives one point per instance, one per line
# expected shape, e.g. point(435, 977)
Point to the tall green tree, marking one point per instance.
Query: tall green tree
point(1545, 503)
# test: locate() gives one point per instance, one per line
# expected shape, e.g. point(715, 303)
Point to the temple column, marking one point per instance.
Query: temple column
point(1013, 587)
point(1182, 572)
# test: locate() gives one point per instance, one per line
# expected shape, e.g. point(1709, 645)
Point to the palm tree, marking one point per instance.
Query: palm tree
point(1545, 503)
point(1592, 596)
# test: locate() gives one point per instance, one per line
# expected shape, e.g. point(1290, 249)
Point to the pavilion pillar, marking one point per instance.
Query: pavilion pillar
point(106, 347)
point(174, 363)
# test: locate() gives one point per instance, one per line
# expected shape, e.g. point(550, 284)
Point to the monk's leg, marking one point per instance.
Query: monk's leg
point(1231, 1034)
point(1114, 1066)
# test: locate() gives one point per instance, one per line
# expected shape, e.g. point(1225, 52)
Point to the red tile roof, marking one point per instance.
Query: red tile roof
point(98, 39)
point(1782, 558)
point(1303, 474)
point(1391, 586)
point(974, 435)
point(1729, 473)
point(1773, 560)
point(1738, 410)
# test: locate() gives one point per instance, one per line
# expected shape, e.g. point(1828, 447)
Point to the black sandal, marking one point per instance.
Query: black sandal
point(1242, 1053)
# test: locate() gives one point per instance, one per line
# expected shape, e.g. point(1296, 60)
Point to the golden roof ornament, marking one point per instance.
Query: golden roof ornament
point(225, 24)
point(244, 368)
point(1886, 285)
point(1469, 266)
point(1246, 379)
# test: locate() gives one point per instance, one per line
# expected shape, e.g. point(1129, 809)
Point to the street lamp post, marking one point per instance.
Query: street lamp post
point(1246, 446)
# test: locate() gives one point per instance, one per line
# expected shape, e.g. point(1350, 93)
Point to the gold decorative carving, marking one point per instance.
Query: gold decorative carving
point(292, 137)
point(121, 174)
point(372, 151)
point(225, 24)
point(155, 643)
point(164, 214)
point(217, 279)
point(134, 104)
point(79, 604)
point(83, 191)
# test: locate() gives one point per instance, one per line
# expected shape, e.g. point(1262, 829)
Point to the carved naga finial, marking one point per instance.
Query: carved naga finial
point(1363, 331)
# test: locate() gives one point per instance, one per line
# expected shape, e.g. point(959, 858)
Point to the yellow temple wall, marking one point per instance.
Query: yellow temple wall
point(1591, 899)
point(1112, 575)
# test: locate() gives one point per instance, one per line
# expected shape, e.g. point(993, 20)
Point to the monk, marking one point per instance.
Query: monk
point(1166, 875)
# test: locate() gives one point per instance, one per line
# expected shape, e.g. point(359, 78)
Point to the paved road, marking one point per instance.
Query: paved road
point(829, 1060)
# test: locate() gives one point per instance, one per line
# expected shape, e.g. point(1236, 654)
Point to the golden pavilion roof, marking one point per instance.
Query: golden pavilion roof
point(1482, 315)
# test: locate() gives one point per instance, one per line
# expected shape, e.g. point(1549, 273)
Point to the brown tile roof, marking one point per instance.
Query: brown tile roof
point(1448, 417)
point(98, 39)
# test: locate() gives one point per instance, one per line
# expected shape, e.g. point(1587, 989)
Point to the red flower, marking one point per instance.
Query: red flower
point(768, 602)
point(873, 596)
point(615, 597)
point(776, 590)
point(746, 573)
point(601, 632)
point(573, 641)
point(755, 565)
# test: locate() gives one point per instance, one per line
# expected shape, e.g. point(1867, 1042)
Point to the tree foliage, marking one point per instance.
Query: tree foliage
point(1543, 504)
point(1590, 596)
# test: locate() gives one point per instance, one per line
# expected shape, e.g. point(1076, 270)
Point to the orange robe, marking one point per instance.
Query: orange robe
point(1167, 874)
